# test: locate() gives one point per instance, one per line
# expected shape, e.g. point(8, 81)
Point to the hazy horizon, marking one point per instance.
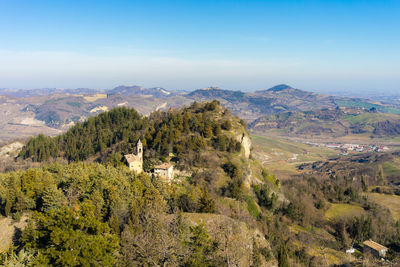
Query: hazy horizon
point(353, 93)
point(329, 46)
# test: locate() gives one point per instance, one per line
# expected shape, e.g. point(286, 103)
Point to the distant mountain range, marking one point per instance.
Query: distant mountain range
point(282, 98)
point(60, 108)
point(251, 105)
point(47, 91)
point(122, 89)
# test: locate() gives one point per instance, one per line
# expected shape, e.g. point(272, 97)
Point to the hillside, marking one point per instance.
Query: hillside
point(283, 98)
point(251, 105)
point(215, 93)
point(222, 206)
point(333, 123)
point(115, 211)
point(376, 168)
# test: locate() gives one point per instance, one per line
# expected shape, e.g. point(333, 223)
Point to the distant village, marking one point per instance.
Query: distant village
point(345, 148)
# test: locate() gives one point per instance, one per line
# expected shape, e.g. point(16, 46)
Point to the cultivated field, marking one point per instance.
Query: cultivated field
point(392, 202)
point(282, 155)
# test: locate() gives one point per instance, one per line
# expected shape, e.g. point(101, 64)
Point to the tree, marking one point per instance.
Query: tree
point(235, 189)
point(208, 132)
point(283, 255)
point(217, 129)
point(255, 257)
point(364, 183)
point(227, 125)
point(70, 237)
point(52, 198)
point(206, 203)
point(201, 247)
point(232, 169)
point(264, 197)
point(380, 177)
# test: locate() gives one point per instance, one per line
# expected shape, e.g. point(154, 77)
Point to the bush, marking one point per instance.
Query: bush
point(16, 216)
point(252, 207)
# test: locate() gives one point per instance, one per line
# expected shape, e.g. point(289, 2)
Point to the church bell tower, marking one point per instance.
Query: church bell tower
point(139, 149)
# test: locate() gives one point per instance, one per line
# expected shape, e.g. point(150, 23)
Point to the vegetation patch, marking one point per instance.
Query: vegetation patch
point(360, 104)
point(391, 169)
point(74, 104)
point(343, 210)
point(252, 207)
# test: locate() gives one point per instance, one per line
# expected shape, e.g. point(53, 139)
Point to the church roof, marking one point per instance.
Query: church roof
point(132, 158)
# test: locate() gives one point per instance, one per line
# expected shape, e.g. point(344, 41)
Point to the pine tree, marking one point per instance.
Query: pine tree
point(206, 203)
point(283, 256)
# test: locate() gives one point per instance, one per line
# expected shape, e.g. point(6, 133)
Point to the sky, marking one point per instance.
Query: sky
point(242, 45)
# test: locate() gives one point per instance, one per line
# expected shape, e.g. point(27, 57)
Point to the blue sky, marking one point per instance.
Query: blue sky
point(313, 45)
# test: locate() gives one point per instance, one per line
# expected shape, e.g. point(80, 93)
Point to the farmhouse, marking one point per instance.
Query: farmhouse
point(374, 248)
point(135, 162)
point(165, 171)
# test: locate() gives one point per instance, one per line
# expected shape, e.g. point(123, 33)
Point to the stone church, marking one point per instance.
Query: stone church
point(135, 162)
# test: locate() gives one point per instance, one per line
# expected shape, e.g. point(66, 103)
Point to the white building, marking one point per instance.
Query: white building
point(165, 171)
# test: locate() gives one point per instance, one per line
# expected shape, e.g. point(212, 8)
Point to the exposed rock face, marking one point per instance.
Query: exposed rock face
point(10, 149)
point(245, 140)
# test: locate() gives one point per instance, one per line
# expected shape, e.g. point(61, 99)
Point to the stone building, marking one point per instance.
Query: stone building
point(375, 249)
point(165, 171)
point(135, 162)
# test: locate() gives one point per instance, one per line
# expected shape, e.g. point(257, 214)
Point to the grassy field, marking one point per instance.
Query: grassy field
point(355, 103)
point(392, 202)
point(370, 117)
point(333, 257)
point(391, 169)
point(282, 156)
point(315, 231)
point(329, 255)
point(343, 210)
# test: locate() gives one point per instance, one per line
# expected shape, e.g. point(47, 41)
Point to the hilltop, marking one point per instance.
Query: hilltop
point(216, 93)
point(196, 126)
point(138, 90)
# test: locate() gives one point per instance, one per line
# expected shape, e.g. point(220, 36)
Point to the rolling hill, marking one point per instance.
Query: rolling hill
point(62, 108)
point(138, 90)
point(333, 122)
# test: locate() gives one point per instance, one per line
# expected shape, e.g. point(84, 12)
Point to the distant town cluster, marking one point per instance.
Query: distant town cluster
point(345, 148)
